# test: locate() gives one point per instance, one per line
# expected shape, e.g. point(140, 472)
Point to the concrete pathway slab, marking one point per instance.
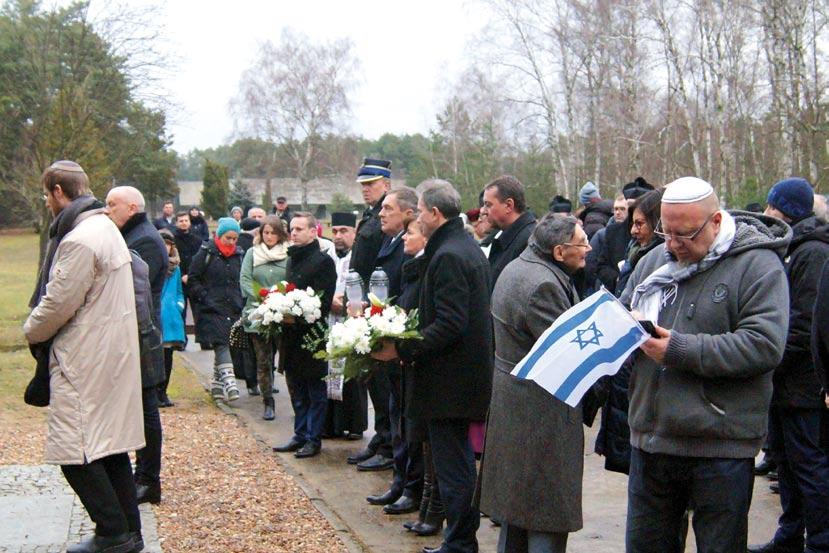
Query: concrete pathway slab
point(40, 513)
point(339, 490)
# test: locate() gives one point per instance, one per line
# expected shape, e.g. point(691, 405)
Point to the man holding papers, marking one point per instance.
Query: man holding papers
point(699, 396)
point(531, 475)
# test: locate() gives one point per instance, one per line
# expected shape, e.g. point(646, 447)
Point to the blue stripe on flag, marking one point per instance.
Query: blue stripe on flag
point(565, 327)
point(597, 358)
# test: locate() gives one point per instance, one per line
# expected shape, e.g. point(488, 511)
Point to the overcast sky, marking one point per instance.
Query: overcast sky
point(407, 51)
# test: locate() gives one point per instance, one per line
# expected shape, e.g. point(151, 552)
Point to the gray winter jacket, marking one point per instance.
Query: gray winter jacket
point(728, 331)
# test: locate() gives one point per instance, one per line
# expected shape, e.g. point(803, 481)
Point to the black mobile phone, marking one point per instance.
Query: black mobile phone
point(649, 328)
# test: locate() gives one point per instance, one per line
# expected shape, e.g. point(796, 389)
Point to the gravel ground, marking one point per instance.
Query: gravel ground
point(222, 490)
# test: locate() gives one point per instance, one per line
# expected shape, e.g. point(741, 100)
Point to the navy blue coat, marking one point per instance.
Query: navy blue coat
point(391, 258)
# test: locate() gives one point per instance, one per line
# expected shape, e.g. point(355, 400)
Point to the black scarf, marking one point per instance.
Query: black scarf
point(59, 228)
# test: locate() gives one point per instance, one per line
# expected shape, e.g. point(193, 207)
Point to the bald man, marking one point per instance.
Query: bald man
point(125, 206)
point(716, 292)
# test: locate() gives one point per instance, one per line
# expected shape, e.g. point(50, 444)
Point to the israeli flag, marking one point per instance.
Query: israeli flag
point(588, 341)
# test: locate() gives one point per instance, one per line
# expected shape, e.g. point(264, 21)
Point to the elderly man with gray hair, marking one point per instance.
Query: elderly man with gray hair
point(535, 492)
point(451, 377)
point(125, 206)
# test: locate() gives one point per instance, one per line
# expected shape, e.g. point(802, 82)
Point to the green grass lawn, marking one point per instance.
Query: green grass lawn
point(18, 272)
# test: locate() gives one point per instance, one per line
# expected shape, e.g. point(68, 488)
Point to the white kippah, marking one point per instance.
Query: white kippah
point(686, 190)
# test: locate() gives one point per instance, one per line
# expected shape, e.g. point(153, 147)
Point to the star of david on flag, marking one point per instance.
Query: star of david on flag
point(590, 340)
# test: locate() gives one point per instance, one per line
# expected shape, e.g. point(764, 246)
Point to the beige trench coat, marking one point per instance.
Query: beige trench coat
point(95, 378)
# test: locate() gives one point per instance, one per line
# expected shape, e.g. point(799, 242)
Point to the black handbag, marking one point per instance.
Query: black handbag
point(238, 338)
point(37, 392)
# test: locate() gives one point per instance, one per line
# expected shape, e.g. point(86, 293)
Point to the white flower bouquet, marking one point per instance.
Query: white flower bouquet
point(354, 339)
point(284, 303)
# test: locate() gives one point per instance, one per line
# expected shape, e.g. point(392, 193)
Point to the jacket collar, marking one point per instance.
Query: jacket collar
point(374, 211)
point(133, 222)
point(301, 252)
point(509, 234)
point(447, 230)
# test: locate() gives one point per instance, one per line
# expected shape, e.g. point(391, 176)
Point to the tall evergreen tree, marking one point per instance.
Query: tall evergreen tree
point(216, 189)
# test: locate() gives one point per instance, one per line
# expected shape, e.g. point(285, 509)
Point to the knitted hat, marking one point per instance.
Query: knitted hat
point(236, 208)
point(793, 196)
point(227, 224)
point(589, 194)
point(560, 204)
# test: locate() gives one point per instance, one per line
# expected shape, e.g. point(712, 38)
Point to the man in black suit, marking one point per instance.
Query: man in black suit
point(451, 380)
point(125, 206)
point(398, 208)
point(506, 209)
point(375, 178)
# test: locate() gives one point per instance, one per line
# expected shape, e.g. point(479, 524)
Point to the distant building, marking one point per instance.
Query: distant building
point(321, 191)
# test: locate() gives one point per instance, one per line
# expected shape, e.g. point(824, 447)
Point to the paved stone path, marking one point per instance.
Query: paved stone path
point(40, 514)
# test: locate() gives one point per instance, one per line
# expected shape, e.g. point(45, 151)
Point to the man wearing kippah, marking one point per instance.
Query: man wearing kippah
point(699, 392)
point(797, 406)
point(375, 179)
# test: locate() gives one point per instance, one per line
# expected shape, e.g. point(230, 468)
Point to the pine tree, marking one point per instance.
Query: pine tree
point(240, 195)
point(216, 190)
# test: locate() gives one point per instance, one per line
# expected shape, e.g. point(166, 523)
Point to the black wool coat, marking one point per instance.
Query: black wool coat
point(213, 285)
point(796, 383)
point(368, 242)
point(187, 245)
point(308, 266)
point(198, 226)
point(451, 367)
point(616, 238)
point(820, 330)
point(142, 237)
point(510, 244)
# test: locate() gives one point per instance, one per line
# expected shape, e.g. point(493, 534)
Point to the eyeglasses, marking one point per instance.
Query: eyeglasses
point(581, 245)
point(640, 224)
point(679, 237)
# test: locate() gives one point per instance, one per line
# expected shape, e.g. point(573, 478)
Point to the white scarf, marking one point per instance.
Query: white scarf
point(263, 254)
point(660, 288)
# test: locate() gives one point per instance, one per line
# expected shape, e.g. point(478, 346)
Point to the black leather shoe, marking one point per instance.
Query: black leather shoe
point(438, 549)
point(409, 525)
point(253, 390)
point(353, 436)
point(426, 529)
point(148, 493)
point(100, 544)
point(402, 506)
point(773, 475)
point(308, 450)
point(384, 499)
point(773, 547)
point(774, 488)
point(765, 467)
point(378, 462)
point(137, 542)
point(360, 456)
point(293, 445)
point(164, 400)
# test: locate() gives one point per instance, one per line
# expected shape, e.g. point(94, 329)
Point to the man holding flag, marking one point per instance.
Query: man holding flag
point(532, 470)
point(699, 396)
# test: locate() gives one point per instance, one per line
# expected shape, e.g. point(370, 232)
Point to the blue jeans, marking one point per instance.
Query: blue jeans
point(803, 467)
point(661, 488)
point(455, 468)
point(309, 398)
